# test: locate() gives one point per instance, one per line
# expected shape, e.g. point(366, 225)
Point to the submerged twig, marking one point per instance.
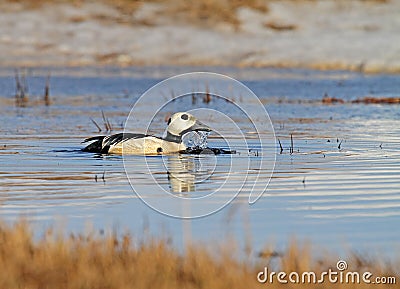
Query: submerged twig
point(24, 84)
point(21, 90)
point(47, 91)
point(104, 180)
point(107, 123)
point(193, 98)
point(340, 144)
point(95, 123)
point(280, 145)
point(207, 96)
point(18, 87)
point(291, 144)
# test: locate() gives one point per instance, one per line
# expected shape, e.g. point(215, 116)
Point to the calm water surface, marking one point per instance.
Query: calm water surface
point(338, 197)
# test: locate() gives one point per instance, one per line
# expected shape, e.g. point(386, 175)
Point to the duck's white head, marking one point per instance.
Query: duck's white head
point(183, 122)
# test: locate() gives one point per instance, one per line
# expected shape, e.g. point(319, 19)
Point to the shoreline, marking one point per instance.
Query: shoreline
point(328, 35)
point(194, 67)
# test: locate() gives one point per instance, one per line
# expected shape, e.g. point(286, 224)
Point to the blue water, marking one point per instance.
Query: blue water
point(340, 199)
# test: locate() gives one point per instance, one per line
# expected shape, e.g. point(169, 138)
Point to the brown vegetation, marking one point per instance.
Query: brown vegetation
point(98, 261)
point(199, 12)
point(377, 100)
point(280, 26)
point(209, 12)
point(330, 100)
point(363, 100)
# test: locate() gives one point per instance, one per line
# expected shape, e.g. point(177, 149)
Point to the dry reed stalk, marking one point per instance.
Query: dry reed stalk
point(95, 123)
point(47, 91)
point(207, 96)
point(107, 123)
point(280, 146)
point(291, 144)
point(21, 90)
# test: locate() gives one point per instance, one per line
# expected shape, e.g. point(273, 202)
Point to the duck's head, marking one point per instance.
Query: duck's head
point(183, 122)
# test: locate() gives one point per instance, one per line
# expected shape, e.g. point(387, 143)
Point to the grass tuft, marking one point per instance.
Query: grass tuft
point(107, 261)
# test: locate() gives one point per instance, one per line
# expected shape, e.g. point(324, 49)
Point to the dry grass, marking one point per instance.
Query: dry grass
point(211, 12)
point(199, 12)
point(362, 100)
point(90, 261)
point(205, 13)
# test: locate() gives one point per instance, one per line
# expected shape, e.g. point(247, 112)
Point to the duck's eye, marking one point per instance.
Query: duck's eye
point(169, 121)
point(184, 116)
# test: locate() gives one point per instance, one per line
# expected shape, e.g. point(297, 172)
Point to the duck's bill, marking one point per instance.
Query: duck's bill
point(199, 126)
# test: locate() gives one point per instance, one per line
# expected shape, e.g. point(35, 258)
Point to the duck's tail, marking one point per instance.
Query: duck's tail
point(96, 146)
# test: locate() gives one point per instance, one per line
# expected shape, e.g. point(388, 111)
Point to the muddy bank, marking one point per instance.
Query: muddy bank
point(351, 35)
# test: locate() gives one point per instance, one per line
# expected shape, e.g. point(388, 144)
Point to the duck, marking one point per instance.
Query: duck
point(179, 124)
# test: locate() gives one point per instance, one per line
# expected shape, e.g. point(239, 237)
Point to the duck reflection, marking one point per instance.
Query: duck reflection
point(182, 171)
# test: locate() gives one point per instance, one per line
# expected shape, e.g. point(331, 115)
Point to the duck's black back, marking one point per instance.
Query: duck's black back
point(101, 144)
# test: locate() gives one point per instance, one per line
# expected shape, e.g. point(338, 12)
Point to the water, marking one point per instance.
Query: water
point(339, 189)
point(195, 139)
